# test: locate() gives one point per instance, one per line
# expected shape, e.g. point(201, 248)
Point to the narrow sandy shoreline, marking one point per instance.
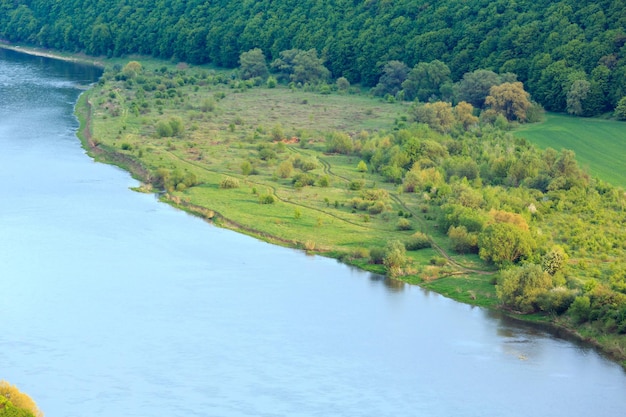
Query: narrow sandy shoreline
point(46, 53)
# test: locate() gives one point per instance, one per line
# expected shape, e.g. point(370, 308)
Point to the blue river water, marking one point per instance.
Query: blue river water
point(113, 304)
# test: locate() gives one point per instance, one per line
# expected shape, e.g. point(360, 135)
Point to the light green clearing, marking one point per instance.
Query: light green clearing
point(600, 145)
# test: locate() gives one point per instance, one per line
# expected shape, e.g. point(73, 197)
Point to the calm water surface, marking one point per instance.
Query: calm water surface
point(113, 304)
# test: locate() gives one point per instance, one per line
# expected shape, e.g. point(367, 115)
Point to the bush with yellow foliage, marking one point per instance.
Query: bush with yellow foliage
point(14, 403)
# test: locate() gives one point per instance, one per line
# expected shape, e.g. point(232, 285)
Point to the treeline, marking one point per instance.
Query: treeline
point(560, 50)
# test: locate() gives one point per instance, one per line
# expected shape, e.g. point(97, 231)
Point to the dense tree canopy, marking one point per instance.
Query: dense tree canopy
point(548, 44)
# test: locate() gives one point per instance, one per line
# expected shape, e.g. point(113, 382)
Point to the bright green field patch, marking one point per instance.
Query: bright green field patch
point(472, 289)
point(600, 145)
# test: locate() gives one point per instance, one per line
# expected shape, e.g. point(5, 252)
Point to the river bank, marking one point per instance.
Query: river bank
point(107, 149)
point(141, 173)
point(53, 54)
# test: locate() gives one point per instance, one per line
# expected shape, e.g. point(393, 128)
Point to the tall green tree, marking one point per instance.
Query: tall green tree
point(505, 244)
point(425, 81)
point(519, 288)
point(390, 82)
point(475, 86)
point(252, 64)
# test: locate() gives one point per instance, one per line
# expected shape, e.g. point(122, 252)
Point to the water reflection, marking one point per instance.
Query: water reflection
point(391, 284)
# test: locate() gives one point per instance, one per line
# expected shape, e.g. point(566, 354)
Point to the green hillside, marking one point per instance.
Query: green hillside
point(550, 45)
point(600, 145)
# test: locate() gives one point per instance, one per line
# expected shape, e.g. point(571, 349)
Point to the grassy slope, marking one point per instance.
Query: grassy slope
point(600, 145)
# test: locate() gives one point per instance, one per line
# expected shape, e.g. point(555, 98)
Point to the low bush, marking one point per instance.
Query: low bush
point(228, 183)
point(267, 199)
point(418, 241)
point(404, 224)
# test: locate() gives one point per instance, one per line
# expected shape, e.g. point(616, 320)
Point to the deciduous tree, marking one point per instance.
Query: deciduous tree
point(253, 64)
point(505, 243)
point(509, 99)
point(390, 82)
point(519, 287)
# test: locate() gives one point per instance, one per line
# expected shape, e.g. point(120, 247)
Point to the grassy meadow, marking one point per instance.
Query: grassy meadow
point(246, 145)
point(600, 145)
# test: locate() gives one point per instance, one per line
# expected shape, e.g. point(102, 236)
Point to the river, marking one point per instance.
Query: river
point(113, 304)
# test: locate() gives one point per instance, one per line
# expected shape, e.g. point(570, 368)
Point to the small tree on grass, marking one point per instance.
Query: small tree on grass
point(253, 64)
point(163, 129)
point(267, 199)
point(418, 241)
point(620, 110)
point(228, 183)
point(404, 224)
point(285, 169)
point(339, 142)
point(172, 127)
point(342, 84)
point(395, 259)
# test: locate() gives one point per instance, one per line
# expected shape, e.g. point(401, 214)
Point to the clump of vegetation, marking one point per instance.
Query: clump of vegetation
point(14, 403)
point(267, 199)
point(229, 182)
point(418, 241)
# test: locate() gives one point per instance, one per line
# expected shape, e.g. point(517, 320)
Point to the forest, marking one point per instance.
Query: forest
point(557, 49)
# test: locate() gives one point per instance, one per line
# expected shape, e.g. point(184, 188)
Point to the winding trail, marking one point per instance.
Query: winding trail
point(462, 269)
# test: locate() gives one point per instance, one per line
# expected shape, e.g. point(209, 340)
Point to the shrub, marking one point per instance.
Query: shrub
point(267, 199)
point(462, 241)
point(395, 258)
point(208, 105)
point(377, 255)
point(285, 169)
point(342, 84)
point(228, 183)
point(438, 261)
point(338, 142)
point(323, 181)
point(557, 300)
point(376, 208)
point(519, 288)
point(580, 309)
point(246, 168)
point(404, 224)
point(266, 152)
point(418, 241)
point(9, 394)
point(356, 185)
point(302, 180)
point(308, 165)
point(163, 129)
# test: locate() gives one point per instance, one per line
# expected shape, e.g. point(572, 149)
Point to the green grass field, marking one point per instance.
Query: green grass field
point(600, 145)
